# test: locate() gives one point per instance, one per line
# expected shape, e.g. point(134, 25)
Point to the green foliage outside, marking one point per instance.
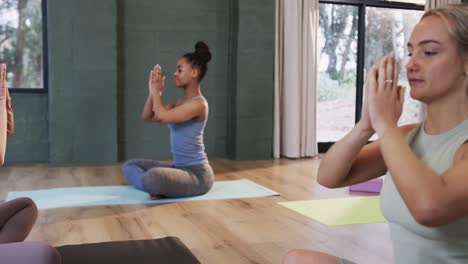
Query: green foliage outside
point(21, 42)
point(331, 89)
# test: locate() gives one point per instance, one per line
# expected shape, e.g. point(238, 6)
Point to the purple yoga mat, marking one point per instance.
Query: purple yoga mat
point(372, 186)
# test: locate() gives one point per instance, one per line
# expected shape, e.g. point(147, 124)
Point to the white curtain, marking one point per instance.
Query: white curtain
point(431, 4)
point(295, 78)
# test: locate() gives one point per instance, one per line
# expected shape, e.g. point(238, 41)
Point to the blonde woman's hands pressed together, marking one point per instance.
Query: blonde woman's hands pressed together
point(385, 98)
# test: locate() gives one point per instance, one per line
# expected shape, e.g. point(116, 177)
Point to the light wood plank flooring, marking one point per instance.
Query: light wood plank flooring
point(228, 231)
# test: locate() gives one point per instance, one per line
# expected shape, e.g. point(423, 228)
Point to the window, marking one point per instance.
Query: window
point(22, 39)
point(353, 33)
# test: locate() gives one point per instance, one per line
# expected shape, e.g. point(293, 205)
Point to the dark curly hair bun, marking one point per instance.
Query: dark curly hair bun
point(202, 50)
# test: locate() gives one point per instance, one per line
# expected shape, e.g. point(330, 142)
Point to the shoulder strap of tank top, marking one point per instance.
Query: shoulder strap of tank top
point(412, 134)
point(192, 98)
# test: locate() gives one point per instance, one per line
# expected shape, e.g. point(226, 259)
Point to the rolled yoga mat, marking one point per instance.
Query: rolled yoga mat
point(163, 250)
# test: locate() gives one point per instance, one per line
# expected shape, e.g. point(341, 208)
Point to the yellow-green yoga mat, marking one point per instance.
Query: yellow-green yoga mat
point(340, 211)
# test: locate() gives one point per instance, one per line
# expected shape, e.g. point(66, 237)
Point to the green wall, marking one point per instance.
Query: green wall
point(100, 54)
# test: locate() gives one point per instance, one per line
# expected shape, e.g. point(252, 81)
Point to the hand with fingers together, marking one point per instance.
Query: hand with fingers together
point(4, 93)
point(365, 122)
point(156, 80)
point(385, 97)
point(3, 82)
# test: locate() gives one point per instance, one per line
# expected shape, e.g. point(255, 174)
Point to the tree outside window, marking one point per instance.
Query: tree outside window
point(21, 42)
point(384, 26)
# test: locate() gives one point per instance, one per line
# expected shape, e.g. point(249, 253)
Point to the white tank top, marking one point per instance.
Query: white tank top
point(414, 243)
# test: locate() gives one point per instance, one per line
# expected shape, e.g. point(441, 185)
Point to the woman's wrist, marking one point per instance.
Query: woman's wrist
point(364, 132)
point(385, 129)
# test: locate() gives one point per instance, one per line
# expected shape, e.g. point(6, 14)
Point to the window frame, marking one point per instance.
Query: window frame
point(361, 39)
point(45, 68)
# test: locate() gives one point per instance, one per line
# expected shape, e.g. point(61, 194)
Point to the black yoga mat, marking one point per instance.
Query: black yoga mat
point(163, 250)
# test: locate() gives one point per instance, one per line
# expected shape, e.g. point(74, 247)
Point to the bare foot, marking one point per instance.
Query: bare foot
point(155, 197)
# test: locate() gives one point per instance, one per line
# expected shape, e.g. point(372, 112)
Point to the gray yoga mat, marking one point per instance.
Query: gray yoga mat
point(163, 250)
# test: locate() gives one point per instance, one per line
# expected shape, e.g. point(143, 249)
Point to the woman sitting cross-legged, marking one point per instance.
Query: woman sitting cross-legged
point(190, 173)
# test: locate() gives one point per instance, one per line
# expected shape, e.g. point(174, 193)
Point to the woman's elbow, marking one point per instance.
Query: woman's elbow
point(159, 119)
point(325, 181)
point(321, 180)
point(146, 118)
point(429, 216)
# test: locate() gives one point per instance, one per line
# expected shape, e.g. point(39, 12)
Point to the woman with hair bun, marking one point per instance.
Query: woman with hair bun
point(190, 173)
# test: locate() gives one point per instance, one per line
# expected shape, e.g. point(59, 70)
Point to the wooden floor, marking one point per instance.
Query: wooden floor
point(226, 231)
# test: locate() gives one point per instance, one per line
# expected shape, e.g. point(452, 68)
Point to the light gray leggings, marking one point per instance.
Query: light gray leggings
point(159, 178)
point(17, 218)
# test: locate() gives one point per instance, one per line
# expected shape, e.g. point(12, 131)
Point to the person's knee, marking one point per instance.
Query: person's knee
point(30, 206)
point(152, 183)
point(128, 164)
point(128, 167)
point(46, 254)
point(26, 201)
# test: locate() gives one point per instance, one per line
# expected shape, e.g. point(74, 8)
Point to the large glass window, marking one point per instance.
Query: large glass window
point(21, 42)
point(337, 42)
point(389, 30)
point(352, 34)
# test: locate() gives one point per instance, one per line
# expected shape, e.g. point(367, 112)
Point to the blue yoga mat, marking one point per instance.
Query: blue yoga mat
point(118, 195)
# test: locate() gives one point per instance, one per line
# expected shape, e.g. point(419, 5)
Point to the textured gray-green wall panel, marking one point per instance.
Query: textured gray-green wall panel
point(134, 107)
point(191, 5)
point(100, 119)
point(94, 152)
point(260, 62)
point(137, 130)
point(180, 43)
point(61, 147)
point(28, 151)
point(148, 149)
point(136, 86)
point(253, 43)
point(257, 20)
point(254, 80)
point(90, 83)
point(29, 144)
point(257, 5)
point(255, 128)
point(138, 14)
point(82, 86)
point(97, 57)
point(258, 149)
point(139, 47)
point(256, 106)
point(215, 86)
point(260, 85)
point(189, 20)
point(217, 107)
point(219, 148)
point(100, 15)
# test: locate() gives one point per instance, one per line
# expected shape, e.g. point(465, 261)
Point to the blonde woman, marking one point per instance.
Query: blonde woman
point(425, 194)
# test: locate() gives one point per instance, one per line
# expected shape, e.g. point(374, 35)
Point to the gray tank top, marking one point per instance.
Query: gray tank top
point(414, 243)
